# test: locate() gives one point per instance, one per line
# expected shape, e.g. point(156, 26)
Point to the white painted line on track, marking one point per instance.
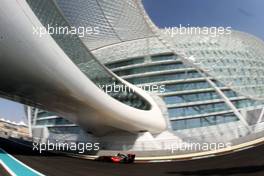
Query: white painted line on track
point(201, 157)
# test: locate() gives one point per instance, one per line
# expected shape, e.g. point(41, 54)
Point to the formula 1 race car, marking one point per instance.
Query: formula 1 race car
point(119, 158)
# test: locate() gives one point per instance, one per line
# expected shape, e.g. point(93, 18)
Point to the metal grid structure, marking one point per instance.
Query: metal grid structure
point(127, 34)
point(117, 21)
point(49, 14)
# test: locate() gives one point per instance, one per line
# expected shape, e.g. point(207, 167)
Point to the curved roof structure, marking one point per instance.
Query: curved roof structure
point(136, 29)
point(238, 54)
point(58, 73)
point(117, 20)
point(122, 25)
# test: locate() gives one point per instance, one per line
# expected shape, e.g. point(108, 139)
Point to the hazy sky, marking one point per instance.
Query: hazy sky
point(244, 15)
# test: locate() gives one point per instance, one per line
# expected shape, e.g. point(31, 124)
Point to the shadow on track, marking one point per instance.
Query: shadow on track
point(225, 171)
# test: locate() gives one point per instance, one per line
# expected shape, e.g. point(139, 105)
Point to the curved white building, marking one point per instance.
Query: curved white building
point(206, 89)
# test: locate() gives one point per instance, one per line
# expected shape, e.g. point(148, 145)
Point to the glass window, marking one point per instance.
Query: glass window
point(125, 63)
point(197, 110)
point(176, 112)
point(247, 103)
point(191, 97)
point(203, 121)
point(193, 123)
point(165, 77)
point(45, 114)
point(178, 125)
point(63, 129)
point(163, 57)
point(230, 93)
point(56, 121)
point(207, 121)
point(173, 100)
point(152, 68)
point(186, 86)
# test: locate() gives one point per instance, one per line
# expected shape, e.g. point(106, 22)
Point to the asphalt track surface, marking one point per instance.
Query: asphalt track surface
point(248, 162)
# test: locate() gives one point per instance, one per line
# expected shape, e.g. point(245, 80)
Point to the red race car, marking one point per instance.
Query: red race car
point(119, 158)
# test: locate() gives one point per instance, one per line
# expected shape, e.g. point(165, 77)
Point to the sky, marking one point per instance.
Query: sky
point(244, 15)
point(12, 111)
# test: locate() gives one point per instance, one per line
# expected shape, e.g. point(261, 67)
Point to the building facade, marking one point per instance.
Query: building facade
point(14, 130)
point(197, 106)
point(186, 88)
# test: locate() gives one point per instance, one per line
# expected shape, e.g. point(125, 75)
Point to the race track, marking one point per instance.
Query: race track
point(248, 162)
